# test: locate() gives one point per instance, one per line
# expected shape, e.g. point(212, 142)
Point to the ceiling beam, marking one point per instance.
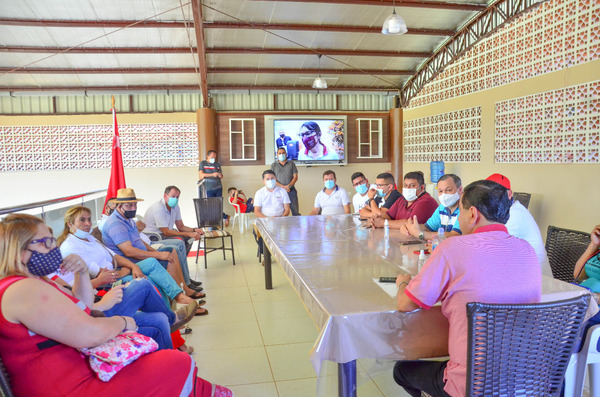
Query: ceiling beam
point(55, 23)
point(209, 70)
point(200, 49)
point(192, 88)
point(400, 4)
point(217, 50)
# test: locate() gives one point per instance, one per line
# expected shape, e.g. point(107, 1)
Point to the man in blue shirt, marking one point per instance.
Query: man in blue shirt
point(449, 189)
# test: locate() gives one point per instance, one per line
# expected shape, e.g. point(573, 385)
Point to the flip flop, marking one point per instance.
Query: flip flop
point(201, 302)
point(204, 313)
point(186, 349)
point(198, 295)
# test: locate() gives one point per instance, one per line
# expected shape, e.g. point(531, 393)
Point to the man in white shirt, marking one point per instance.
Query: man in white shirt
point(521, 224)
point(361, 185)
point(271, 200)
point(332, 200)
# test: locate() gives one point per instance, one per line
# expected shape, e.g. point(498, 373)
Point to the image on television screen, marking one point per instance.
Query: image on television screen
point(311, 140)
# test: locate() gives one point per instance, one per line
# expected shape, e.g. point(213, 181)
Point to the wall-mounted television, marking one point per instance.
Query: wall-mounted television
point(308, 140)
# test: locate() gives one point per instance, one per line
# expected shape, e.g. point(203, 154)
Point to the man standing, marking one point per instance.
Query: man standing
point(382, 198)
point(286, 175)
point(521, 224)
point(211, 173)
point(282, 140)
point(162, 217)
point(449, 189)
point(271, 200)
point(332, 200)
point(486, 264)
point(361, 185)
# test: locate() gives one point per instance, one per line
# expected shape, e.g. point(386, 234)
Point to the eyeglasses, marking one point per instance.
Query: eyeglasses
point(308, 133)
point(359, 183)
point(49, 242)
point(381, 186)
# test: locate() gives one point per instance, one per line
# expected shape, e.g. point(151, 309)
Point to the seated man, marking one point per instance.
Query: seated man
point(122, 237)
point(521, 224)
point(164, 218)
point(271, 200)
point(239, 198)
point(382, 198)
point(485, 264)
point(449, 189)
point(332, 200)
point(415, 201)
point(361, 185)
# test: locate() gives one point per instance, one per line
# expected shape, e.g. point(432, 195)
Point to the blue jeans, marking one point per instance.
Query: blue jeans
point(216, 193)
point(158, 274)
point(179, 246)
point(152, 316)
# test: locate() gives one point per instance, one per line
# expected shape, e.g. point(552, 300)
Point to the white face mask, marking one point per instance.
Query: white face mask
point(211, 160)
point(448, 200)
point(409, 194)
point(271, 183)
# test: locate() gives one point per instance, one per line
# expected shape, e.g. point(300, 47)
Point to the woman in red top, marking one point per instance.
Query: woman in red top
point(42, 325)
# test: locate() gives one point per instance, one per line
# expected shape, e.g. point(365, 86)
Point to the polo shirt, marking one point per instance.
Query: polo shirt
point(423, 207)
point(443, 218)
point(488, 266)
point(211, 182)
point(284, 173)
point(117, 229)
point(271, 203)
point(332, 204)
point(358, 201)
point(522, 225)
point(157, 216)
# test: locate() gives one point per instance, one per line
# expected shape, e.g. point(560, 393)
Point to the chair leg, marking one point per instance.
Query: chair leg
point(232, 252)
point(242, 218)
point(594, 379)
point(198, 252)
point(223, 247)
point(205, 255)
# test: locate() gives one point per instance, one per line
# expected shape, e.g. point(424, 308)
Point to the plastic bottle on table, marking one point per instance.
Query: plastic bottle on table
point(421, 261)
point(438, 239)
point(386, 229)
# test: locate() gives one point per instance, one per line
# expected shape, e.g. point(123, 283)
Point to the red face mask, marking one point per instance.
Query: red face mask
point(310, 141)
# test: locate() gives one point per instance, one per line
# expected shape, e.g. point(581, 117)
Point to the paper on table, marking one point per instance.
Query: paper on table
point(389, 288)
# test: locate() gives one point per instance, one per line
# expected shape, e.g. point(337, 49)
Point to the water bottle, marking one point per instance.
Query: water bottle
point(438, 239)
point(421, 261)
point(437, 170)
point(386, 229)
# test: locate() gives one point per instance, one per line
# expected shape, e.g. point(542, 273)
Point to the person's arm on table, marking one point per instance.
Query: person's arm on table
point(589, 252)
point(347, 208)
point(315, 211)
point(405, 304)
point(258, 213)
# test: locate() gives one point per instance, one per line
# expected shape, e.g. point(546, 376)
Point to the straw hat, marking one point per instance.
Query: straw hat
point(125, 196)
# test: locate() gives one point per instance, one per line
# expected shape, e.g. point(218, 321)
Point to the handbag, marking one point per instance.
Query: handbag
point(110, 357)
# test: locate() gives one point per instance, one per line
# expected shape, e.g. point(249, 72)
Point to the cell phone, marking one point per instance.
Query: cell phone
point(387, 279)
point(118, 282)
point(411, 242)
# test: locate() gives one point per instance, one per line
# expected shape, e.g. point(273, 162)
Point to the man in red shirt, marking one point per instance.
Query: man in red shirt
point(485, 264)
point(415, 201)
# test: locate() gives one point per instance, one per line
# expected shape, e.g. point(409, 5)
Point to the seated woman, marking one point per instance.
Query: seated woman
point(42, 325)
point(76, 239)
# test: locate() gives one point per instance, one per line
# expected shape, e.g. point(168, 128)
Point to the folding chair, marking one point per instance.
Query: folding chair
point(209, 214)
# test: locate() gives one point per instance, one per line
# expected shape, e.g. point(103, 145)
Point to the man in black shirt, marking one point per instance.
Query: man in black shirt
point(382, 198)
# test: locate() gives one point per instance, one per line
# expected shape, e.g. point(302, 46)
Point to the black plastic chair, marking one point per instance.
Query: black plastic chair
point(209, 214)
point(4, 382)
point(522, 198)
point(564, 248)
point(523, 349)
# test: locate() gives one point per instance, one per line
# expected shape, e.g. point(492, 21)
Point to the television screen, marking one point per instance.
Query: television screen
point(311, 140)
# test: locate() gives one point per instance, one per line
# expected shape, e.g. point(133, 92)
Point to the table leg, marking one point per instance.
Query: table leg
point(267, 259)
point(347, 379)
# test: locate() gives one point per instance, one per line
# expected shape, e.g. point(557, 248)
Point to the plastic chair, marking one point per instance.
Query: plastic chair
point(521, 349)
point(209, 214)
point(522, 198)
point(589, 355)
point(4, 382)
point(564, 248)
point(244, 218)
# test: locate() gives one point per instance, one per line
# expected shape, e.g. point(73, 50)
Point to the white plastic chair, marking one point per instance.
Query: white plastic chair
point(589, 355)
point(243, 221)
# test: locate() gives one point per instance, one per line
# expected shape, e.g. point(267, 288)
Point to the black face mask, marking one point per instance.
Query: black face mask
point(129, 214)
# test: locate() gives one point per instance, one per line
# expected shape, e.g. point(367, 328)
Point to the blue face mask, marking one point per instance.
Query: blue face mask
point(173, 202)
point(271, 183)
point(281, 157)
point(361, 189)
point(81, 234)
point(380, 193)
point(43, 264)
point(329, 184)
point(211, 160)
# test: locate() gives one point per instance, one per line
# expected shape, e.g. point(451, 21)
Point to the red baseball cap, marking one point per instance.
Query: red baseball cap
point(499, 178)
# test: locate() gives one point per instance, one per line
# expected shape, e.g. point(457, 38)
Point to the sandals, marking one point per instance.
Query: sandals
point(204, 311)
point(197, 295)
point(186, 349)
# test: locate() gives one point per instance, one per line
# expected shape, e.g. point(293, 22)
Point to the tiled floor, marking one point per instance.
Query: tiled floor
point(257, 342)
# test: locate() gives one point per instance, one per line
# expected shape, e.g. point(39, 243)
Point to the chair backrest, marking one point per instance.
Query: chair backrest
point(564, 248)
point(521, 349)
point(235, 206)
point(209, 211)
point(522, 198)
point(5, 389)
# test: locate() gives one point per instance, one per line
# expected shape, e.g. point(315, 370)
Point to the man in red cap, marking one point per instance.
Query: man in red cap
point(521, 224)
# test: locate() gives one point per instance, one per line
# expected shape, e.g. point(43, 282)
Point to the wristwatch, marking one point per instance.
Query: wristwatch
point(422, 236)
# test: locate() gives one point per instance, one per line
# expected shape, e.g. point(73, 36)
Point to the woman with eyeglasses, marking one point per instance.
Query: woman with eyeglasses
point(314, 149)
point(42, 325)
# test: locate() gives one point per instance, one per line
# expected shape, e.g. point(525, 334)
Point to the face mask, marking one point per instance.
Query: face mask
point(409, 194)
point(380, 192)
point(173, 202)
point(43, 264)
point(310, 141)
point(271, 183)
point(129, 214)
point(448, 200)
point(212, 160)
point(361, 189)
point(281, 157)
point(81, 234)
point(329, 184)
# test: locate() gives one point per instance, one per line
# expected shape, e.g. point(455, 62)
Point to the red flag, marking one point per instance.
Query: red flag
point(117, 174)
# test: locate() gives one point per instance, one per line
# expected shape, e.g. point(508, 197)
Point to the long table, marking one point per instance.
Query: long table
point(331, 262)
